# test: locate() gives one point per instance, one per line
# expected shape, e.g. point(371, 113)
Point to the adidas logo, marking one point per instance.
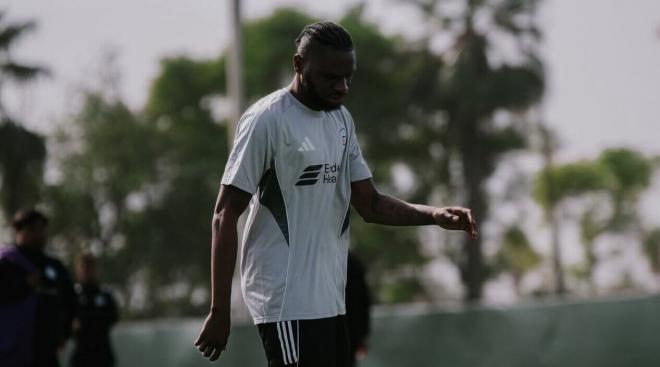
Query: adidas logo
point(310, 174)
point(306, 146)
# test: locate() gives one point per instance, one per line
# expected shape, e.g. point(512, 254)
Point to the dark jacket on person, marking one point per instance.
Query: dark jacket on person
point(56, 307)
point(97, 313)
point(18, 304)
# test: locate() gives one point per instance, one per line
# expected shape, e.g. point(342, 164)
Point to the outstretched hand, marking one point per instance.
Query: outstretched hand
point(213, 337)
point(456, 218)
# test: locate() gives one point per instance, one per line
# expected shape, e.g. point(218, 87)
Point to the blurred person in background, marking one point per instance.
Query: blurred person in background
point(97, 313)
point(358, 308)
point(18, 305)
point(297, 162)
point(55, 299)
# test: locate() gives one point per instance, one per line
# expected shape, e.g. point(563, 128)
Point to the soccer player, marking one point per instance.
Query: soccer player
point(297, 162)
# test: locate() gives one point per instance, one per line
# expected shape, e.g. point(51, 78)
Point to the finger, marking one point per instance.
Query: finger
point(216, 354)
point(202, 347)
point(199, 340)
point(447, 217)
point(455, 210)
point(209, 351)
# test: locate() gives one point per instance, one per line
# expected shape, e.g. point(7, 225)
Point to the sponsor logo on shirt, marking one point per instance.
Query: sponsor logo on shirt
point(325, 173)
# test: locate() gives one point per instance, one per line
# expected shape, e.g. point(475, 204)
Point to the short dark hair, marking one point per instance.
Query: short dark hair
point(26, 217)
point(324, 33)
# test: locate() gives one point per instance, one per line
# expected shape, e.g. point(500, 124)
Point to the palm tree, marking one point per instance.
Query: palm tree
point(477, 82)
point(22, 152)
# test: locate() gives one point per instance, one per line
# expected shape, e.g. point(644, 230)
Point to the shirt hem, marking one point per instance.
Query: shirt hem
point(268, 319)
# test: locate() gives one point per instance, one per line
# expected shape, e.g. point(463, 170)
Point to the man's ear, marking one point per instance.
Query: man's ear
point(298, 63)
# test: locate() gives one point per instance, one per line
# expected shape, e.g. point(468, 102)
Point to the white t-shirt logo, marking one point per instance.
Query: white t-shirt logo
point(306, 146)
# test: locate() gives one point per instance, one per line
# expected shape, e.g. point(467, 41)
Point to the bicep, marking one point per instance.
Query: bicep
point(231, 200)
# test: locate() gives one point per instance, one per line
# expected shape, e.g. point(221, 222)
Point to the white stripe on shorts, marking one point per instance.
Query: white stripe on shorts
point(283, 344)
point(293, 342)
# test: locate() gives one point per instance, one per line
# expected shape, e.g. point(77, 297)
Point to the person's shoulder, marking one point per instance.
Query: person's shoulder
point(344, 111)
point(107, 292)
point(7, 251)
point(344, 114)
point(269, 108)
point(53, 261)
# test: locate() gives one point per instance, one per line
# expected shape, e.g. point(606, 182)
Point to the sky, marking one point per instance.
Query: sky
point(602, 58)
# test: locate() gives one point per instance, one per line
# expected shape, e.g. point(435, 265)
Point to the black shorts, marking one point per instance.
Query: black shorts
point(306, 343)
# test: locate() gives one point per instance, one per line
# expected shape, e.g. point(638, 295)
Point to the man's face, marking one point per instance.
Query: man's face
point(32, 235)
point(85, 271)
point(326, 75)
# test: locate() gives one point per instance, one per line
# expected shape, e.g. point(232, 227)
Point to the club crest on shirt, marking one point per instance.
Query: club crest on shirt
point(343, 136)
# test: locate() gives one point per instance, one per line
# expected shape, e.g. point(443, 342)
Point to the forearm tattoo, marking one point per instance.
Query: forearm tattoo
point(392, 211)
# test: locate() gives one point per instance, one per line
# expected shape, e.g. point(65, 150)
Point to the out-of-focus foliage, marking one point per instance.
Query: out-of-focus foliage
point(568, 181)
point(22, 157)
point(22, 152)
point(516, 256)
point(138, 187)
point(651, 245)
point(614, 182)
point(460, 100)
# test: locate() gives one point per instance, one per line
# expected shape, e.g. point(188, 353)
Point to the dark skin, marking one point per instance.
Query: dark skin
point(32, 236)
point(322, 81)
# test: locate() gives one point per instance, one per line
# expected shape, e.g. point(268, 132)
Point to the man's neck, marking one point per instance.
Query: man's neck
point(298, 91)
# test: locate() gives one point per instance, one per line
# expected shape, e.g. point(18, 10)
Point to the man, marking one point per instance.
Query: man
point(97, 313)
point(55, 300)
point(297, 162)
point(18, 304)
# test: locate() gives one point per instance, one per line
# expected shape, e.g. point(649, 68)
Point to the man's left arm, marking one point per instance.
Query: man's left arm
point(375, 207)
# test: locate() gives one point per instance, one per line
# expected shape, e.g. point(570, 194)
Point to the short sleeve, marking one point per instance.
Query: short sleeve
point(358, 166)
point(250, 154)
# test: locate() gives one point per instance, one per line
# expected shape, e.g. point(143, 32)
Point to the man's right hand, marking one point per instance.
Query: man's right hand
point(213, 337)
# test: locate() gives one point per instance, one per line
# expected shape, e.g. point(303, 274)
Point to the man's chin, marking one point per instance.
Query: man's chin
point(332, 105)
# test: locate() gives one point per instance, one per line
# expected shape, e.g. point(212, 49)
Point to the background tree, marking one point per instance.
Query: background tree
point(22, 152)
point(479, 81)
point(612, 185)
point(516, 256)
point(651, 246)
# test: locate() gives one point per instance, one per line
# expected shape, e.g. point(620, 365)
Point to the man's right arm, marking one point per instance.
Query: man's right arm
point(230, 204)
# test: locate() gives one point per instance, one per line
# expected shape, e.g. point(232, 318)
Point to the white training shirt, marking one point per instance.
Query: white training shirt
point(299, 164)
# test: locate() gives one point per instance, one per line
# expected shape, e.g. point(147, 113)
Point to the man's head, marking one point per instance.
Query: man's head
point(30, 227)
point(86, 269)
point(324, 63)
